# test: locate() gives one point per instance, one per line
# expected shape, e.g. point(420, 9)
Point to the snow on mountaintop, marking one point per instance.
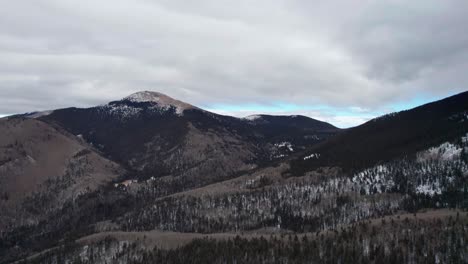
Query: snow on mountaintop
point(265, 117)
point(160, 99)
point(252, 117)
point(39, 114)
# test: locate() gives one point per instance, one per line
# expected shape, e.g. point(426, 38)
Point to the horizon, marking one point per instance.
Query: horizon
point(273, 113)
point(272, 57)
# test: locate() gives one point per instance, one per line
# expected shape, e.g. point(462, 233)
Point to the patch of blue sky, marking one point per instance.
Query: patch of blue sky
point(339, 116)
point(418, 100)
point(412, 103)
point(282, 107)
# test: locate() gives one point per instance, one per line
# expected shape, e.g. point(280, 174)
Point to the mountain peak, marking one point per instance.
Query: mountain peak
point(146, 96)
point(160, 99)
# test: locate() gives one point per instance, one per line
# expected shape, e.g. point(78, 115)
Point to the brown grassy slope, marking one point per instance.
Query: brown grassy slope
point(36, 158)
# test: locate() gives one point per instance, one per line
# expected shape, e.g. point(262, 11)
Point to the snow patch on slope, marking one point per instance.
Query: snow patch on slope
point(312, 156)
point(281, 149)
point(375, 179)
point(431, 173)
point(285, 144)
point(429, 189)
point(123, 111)
point(39, 114)
point(252, 117)
point(445, 152)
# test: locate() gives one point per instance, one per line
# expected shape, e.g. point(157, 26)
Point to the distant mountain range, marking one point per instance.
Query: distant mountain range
point(76, 184)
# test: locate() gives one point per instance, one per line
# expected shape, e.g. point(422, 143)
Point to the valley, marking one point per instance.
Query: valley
point(152, 179)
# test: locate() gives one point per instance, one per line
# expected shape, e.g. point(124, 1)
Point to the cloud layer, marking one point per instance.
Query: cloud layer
point(343, 54)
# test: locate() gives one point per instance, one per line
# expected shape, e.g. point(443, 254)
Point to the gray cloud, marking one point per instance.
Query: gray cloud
point(367, 54)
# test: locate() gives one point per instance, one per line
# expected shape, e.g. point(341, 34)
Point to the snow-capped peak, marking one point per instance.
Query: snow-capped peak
point(160, 99)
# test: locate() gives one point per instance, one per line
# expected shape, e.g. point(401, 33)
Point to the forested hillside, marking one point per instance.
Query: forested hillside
point(393, 190)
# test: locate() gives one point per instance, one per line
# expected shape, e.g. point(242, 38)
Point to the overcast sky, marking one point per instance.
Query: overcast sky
point(339, 61)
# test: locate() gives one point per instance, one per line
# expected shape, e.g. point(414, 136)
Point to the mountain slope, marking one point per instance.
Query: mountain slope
point(156, 141)
point(41, 168)
point(155, 135)
point(391, 136)
point(297, 130)
point(372, 191)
